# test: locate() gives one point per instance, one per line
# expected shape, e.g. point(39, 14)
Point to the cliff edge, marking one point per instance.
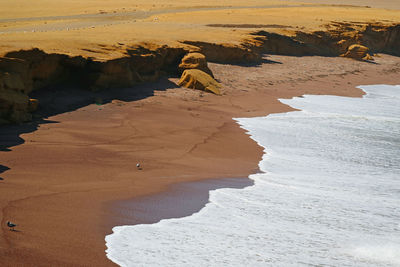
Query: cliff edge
point(122, 48)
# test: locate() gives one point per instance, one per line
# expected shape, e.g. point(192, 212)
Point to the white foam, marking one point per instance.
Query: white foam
point(386, 252)
point(329, 195)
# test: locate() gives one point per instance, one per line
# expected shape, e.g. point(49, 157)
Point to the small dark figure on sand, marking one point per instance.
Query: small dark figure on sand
point(138, 166)
point(11, 226)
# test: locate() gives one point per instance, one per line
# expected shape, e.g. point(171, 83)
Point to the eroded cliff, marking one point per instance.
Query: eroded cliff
point(334, 41)
point(22, 72)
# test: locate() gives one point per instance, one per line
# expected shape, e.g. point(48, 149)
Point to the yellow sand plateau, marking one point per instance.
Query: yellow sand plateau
point(104, 29)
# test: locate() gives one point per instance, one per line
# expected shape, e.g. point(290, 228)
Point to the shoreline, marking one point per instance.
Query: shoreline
point(178, 200)
point(166, 241)
point(169, 153)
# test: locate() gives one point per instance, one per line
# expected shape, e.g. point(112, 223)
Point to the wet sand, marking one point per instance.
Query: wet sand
point(177, 201)
point(64, 182)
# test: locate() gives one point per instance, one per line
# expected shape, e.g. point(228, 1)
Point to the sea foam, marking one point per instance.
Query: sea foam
point(328, 194)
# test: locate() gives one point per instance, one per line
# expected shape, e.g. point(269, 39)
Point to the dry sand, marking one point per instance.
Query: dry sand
point(65, 177)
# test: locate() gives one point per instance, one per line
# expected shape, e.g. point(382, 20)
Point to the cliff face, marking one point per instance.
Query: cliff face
point(382, 39)
point(22, 72)
point(226, 53)
point(15, 85)
point(334, 41)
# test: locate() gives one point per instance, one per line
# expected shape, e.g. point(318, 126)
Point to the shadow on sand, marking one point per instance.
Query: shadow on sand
point(61, 99)
point(264, 60)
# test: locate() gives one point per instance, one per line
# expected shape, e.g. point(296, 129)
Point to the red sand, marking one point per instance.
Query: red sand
point(65, 181)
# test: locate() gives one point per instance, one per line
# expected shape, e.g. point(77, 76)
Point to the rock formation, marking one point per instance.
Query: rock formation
point(358, 52)
point(22, 72)
point(197, 79)
point(195, 61)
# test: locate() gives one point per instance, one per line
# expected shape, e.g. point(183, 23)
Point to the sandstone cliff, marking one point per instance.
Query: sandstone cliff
point(22, 72)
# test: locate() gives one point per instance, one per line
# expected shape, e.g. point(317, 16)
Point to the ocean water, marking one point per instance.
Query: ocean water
point(329, 195)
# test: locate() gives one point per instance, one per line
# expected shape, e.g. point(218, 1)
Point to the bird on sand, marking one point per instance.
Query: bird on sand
point(11, 226)
point(138, 166)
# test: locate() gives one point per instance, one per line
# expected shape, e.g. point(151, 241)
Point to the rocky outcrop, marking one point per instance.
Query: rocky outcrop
point(195, 61)
point(22, 72)
point(197, 79)
point(40, 69)
point(358, 52)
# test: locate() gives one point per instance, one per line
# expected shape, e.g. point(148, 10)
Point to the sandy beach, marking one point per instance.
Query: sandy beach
point(69, 176)
point(65, 177)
